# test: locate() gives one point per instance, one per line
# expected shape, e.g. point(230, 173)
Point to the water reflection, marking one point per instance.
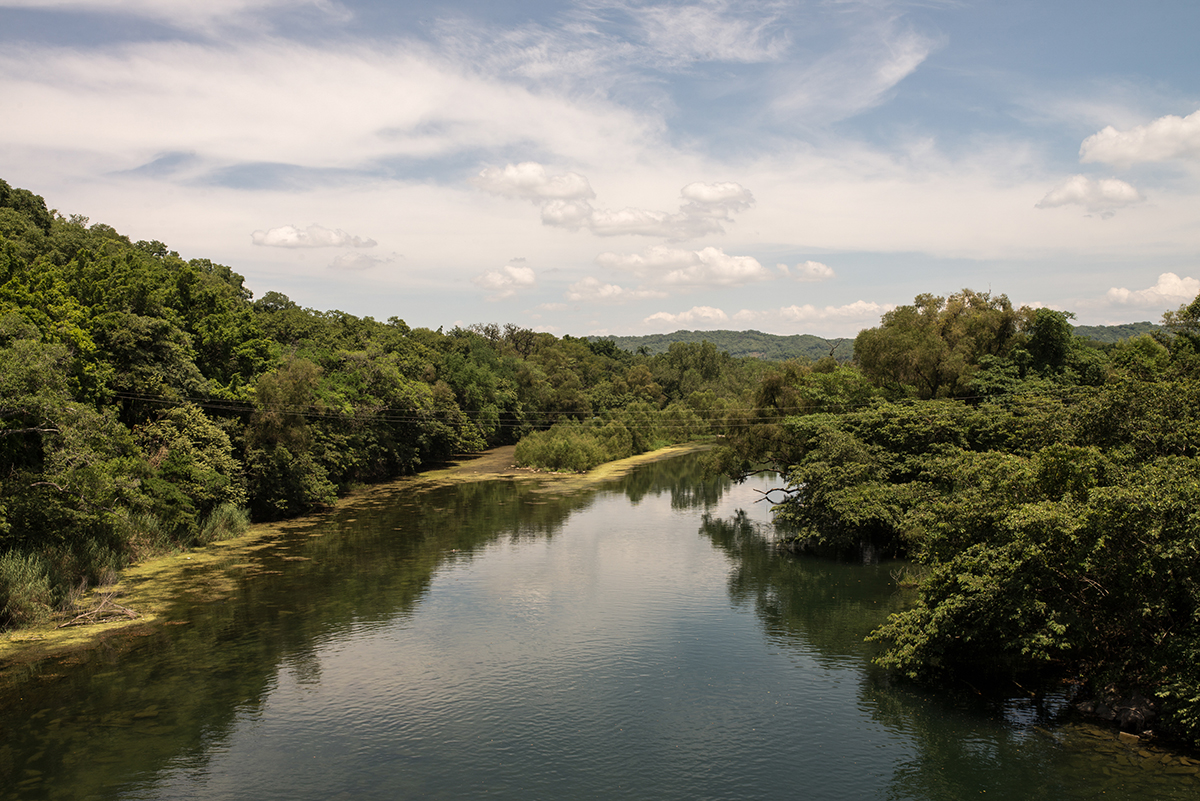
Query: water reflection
point(501, 637)
point(94, 724)
point(1023, 745)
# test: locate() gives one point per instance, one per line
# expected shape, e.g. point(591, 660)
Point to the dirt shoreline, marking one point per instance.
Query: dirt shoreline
point(150, 589)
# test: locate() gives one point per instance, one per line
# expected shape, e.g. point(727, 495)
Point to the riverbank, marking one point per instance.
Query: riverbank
point(151, 589)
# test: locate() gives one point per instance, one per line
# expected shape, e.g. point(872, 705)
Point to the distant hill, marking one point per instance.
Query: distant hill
point(769, 347)
point(1114, 333)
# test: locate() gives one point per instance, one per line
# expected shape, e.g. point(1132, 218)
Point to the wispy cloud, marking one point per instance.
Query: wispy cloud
point(203, 16)
point(355, 262)
point(278, 102)
point(680, 34)
point(859, 74)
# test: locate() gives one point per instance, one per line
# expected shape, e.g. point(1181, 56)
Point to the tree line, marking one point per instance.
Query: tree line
point(1046, 487)
point(150, 402)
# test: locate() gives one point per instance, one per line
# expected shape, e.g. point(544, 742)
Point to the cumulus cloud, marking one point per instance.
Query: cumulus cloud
point(1101, 196)
point(505, 282)
point(1169, 291)
point(530, 180)
point(593, 290)
point(564, 202)
point(669, 266)
point(1168, 137)
point(696, 314)
point(808, 271)
point(314, 236)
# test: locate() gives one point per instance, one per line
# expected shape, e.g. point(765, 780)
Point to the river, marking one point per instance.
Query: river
point(638, 640)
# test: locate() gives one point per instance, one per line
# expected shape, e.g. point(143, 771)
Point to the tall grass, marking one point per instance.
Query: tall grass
point(225, 522)
point(27, 593)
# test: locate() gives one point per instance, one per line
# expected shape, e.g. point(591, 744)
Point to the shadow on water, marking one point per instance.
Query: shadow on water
point(103, 724)
point(95, 724)
point(964, 743)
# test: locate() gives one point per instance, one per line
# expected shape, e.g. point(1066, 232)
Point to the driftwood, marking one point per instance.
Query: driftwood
point(104, 612)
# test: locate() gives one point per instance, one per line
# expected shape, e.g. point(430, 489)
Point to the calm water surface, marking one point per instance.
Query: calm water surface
point(640, 641)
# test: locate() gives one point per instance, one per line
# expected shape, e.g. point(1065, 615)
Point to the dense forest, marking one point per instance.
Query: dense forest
point(150, 403)
point(1043, 486)
point(1046, 487)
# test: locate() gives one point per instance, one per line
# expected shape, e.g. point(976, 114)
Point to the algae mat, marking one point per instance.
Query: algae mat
point(202, 575)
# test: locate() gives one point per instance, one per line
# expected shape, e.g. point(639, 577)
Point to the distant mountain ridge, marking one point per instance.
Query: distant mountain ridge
point(769, 347)
point(778, 348)
point(1115, 333)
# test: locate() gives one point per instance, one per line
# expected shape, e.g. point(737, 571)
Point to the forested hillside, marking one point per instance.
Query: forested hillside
point(739, 344)
point(1048, 490)
point(1115, 333)
point(150, 402)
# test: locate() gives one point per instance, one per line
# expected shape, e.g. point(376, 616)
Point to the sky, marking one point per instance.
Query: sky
point(592, 167)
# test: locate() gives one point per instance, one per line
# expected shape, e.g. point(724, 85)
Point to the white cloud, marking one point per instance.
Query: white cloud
point(1166, 138)
point(564, 203)
point(667, 266)
point(809, 271)
point(591, 289)
point(314, 236)
point(505, 282)
point(696, 314)
point(1170, 291)
point(352, 262)
point(1097, 196)
point(530, 180)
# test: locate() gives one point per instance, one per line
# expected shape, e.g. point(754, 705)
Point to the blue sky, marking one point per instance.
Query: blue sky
point(628, 167)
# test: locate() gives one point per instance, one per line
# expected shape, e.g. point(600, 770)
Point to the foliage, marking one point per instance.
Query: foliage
point(1052, 508)
point(147, 402)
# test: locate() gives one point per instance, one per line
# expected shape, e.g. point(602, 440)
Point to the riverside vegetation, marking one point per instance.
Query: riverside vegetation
point(150, 403)
point(1046, 485)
